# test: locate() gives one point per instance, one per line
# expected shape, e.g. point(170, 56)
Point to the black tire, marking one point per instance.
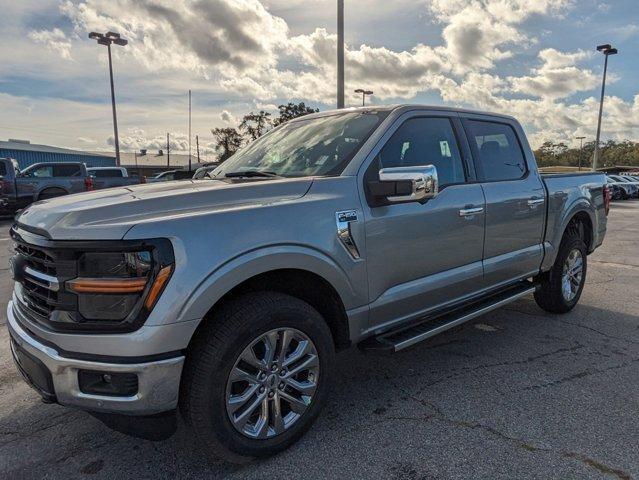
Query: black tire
point(550, 296)
point(48, 193)
point(213, 353)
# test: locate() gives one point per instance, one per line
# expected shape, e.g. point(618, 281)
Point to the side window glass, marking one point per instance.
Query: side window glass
point(45, 171)
point(67, 170)
point(425, 141)
point(500, 153)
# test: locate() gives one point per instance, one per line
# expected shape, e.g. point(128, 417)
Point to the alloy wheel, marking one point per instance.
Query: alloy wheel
point(272, 383)
point(572, 275)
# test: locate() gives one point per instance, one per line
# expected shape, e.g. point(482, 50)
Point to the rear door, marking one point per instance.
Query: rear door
point(106, 177)
point(515, 199)
point(70, 176)
point(421, 256)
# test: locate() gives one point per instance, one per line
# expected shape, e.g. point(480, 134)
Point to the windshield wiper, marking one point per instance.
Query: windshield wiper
point(251, 173)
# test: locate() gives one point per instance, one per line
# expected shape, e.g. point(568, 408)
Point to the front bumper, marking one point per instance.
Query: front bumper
point(56, 377)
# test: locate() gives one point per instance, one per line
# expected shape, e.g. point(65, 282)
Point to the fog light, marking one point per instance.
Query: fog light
point(108, 383)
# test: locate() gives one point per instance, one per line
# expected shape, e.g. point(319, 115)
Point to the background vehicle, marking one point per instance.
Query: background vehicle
point(40, 181)
point(227, 299)
point(202, 172)
point(171, 175)
point(630, 190)
point(616, 192)
point(107, 177)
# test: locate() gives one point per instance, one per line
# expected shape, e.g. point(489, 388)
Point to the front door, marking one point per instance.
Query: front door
point(423, 256)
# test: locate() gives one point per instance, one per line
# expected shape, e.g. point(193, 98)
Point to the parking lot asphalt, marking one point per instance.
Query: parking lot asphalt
point(517, 393)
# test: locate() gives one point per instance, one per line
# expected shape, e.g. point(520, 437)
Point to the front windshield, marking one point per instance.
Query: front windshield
point(319, 146)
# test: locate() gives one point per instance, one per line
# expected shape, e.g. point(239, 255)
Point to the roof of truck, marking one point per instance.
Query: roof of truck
point(404, 107)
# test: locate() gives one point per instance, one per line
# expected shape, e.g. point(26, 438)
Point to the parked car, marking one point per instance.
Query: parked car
point(203, 172)
point(616, 192)
point(170, 175)
point(40, 181)
point(632, 180)
point(630, 190)
point(376, 227)
point(107, 177)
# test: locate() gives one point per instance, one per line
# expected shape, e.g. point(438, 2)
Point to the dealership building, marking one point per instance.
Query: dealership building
point(27, 153)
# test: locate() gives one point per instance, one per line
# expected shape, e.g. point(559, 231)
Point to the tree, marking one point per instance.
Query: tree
point(256, 124)
point(293, 110)
point(227, 141)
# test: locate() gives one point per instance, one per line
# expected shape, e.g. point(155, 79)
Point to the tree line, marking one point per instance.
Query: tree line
point(228, 140)
point(611, 153)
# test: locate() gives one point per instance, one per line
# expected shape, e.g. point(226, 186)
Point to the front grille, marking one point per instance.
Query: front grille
point(41, 273)
point(37, 258)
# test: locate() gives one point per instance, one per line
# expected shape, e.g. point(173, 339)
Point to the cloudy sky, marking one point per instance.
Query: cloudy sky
point(534, 59)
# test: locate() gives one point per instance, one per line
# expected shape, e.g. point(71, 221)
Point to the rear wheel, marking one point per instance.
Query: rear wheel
point(256, 375)
point(561, 287)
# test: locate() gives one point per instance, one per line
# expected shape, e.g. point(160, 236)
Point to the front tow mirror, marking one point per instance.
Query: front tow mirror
point(405, 184)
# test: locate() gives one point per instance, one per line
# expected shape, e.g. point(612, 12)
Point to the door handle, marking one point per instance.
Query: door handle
point(535, 201)
point(466, 212)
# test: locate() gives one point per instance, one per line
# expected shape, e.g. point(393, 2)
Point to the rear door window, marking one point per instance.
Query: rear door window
point(69, 170)
point(107, 173)
point(500, 153)
point(3, 169)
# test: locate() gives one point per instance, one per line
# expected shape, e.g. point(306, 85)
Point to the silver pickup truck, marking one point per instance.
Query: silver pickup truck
point(226, 299)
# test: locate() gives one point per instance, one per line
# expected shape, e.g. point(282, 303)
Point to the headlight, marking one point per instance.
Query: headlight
point(119, 288)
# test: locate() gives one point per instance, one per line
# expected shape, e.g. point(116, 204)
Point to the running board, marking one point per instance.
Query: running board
point(396, 340)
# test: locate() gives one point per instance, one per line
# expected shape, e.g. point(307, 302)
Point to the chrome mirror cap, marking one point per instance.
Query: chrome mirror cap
point(423, 179)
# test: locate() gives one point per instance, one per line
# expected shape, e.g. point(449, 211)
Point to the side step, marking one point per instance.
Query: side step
point(396, 340)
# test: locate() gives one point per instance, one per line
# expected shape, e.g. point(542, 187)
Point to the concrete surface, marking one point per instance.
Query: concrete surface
point(515, 394)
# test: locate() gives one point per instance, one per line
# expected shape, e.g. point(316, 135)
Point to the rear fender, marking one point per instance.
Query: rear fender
point(556, 233)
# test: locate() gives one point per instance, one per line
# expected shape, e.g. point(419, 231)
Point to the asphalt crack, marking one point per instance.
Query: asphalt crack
point(526, 445)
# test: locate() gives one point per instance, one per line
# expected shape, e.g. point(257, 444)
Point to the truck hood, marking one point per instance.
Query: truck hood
point(109, 214)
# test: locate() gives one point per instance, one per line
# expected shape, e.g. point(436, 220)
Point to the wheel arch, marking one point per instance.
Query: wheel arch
point(39, 193)
point(581, 216)
point(309, 276)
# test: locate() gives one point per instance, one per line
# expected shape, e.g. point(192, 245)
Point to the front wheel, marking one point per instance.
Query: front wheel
point(561, 287)
point(256, 376)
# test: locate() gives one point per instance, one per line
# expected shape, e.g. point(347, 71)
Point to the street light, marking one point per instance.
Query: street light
point(340, 53)
point(581, 150)
point(107, 39)
point(364, 93)
point(607, 50)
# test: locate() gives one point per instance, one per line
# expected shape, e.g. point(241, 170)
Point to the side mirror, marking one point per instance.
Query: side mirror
point(405, 184)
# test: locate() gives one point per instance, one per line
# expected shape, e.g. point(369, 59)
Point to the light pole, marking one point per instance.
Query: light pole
point(606, 50)
point(581, 150)
point(340, 53)
point(107, 39)
point(364, 93)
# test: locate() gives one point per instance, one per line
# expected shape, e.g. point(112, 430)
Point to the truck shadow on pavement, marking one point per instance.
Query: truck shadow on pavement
point(516, 390)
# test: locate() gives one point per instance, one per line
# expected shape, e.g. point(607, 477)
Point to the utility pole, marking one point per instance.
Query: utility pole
point(581, 150)
point(606, 50)
point(197, 144)
point(189, 129)
point(107, 39)
point(168, 150)
point(340, 53)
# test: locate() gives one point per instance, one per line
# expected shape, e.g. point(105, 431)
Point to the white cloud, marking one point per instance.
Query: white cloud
point(227, 117)
point(558, 76)
point(54, 40)
point(240, 52)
